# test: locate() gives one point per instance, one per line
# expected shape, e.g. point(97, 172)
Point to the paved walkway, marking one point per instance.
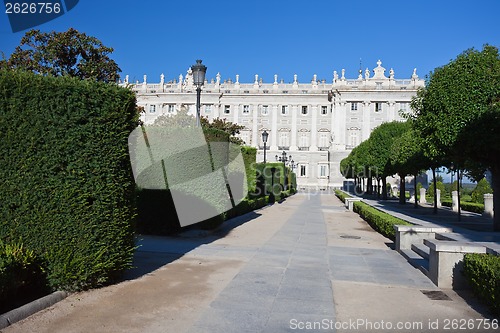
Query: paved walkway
point(306, 264)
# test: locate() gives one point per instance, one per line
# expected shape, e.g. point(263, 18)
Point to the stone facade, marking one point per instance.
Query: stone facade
point(318, 123)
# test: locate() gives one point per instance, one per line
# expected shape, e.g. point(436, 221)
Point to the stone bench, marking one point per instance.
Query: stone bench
point(446, 262)
point(408, 235)
point(349, 203)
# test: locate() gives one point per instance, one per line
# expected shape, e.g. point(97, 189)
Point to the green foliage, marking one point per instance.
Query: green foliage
point(473, 207)
point(341, 195)
point(64, 53)
point(481, 189)
point(266, 179)
point(20, 269)
point(67, 187)
point(382, 222)
point(250, 157)
point(440, 187)
point(483, 273)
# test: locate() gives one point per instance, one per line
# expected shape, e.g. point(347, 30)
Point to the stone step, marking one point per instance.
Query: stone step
point(421, 250)
point(416, 260)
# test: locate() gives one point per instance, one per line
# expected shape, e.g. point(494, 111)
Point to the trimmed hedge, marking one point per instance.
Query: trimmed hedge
point(483, 273)
point(157, 211)
point(382, 222)
point(341, 195)
point(467, 206)
point(67, 189)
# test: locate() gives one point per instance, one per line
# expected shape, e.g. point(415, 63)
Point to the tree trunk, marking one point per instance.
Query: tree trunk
point(402, 190)
point(458, 198)
point(384, 188)
point(435, 190)
point(495, 175)
point(415, 189)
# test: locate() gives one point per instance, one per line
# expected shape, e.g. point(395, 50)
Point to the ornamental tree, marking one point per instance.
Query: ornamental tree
point(64, 53)
point(458, 113)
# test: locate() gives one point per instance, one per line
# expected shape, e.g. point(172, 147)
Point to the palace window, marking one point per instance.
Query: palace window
point(324, 110)
point(227, 109)
point(284, 109)
point(354, 106)
point(323, 140)
point(303, 171)
point(171, 108)
point(246, 108)
point(378, 107)
point(323, 171)
point(152, 108)
point(208, 108)
point(283, 143)
point(403, 106)
point(265, 110)
point(304, 109)
point(304, 140)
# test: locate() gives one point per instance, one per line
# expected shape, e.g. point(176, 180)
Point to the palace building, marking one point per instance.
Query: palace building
point(317, 123)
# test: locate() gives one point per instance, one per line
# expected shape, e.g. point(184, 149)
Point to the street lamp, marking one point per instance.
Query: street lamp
point(199, 72)
point(283, 158)
point(265, 135)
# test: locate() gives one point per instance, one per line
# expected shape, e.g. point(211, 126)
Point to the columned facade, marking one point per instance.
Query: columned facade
point(318, 123)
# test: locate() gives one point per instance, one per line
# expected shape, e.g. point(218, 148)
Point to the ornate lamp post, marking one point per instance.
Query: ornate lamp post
point(283, 158)
point(265, 135)
point(199, 72)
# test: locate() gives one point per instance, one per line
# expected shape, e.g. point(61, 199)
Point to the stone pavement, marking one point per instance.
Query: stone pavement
point(306, 264)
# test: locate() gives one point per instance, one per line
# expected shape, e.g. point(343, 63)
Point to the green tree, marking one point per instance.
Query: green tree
point(481, 189)
point(64, 53)
point(380, 150)
point(458, 114)
point(408, 158)
point(183, 119)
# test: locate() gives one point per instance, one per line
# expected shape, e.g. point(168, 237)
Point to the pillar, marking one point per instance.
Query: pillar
point(488, 205)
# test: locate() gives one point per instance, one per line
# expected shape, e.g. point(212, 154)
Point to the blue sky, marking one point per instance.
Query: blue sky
point(278, 37)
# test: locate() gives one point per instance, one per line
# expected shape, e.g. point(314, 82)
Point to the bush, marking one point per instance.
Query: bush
point(67, 187)
point(467, 206)
point(382, 222)
point(440, 186)
point(341, 195)
point(481, 189)
point(483, 273)
point(21, 276)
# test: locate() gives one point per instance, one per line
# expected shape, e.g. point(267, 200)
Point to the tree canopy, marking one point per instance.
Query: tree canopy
point(64, 53)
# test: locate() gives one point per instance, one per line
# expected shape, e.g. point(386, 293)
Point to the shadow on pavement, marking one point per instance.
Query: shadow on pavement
point(154, 252)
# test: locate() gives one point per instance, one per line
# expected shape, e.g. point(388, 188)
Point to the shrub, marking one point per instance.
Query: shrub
point(20, 274)
point(341, 195)
point(67, 187)
point(481, 189)
point(440, 186)
point(468, 206)
point(483, 273)
point(382, 222)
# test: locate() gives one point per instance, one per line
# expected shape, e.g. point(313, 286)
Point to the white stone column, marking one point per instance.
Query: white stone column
point(454, 201)
point(488, 205)
point(422, 198)
point(293, 143)
point(314, 128)
point(365, 130)
point(236, 112)
point(274, 128)
point(438, 195)
point(391, 114)
point(255, 139)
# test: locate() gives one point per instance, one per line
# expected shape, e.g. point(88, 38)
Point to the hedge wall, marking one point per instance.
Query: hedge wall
point(483, 273)
point(265, 181)
point(382, 222)
point(66, 190)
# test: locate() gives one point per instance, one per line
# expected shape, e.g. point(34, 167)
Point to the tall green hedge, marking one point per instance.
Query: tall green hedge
point(66, 186)
point(483, 273)
point(265, 178)
point(249, 157)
